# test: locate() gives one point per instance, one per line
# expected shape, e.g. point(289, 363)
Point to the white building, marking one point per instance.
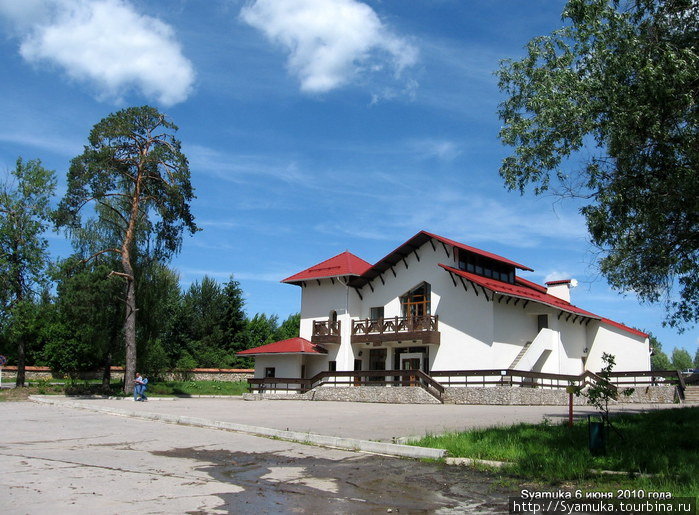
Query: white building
point(439, 305)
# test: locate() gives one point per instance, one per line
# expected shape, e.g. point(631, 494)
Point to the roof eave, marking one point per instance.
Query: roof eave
point(291, 280)
point(281, 353)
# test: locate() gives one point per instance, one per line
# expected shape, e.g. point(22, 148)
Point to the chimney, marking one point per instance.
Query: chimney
point(561, 289)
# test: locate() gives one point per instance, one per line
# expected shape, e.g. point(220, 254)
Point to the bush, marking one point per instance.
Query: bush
point(184, 367)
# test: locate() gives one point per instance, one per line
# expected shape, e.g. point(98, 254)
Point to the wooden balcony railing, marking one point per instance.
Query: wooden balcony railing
point(425, 328)
point(326, 331)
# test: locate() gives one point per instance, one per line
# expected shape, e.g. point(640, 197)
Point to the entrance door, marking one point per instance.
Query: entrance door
point(357, 366)
point(410, 361)
point(377, 361)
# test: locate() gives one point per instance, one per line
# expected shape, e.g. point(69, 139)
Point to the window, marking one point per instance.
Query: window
point(332, 366)
point(376, 313)
point(416, 303)
point(333, 316)
point(481, 265)
point(270, 372)
point(542, 322)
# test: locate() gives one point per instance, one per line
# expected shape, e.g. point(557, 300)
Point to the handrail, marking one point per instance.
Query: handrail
point(327, 327)
point(597, 379)
point(432, 384)
point(681, 385)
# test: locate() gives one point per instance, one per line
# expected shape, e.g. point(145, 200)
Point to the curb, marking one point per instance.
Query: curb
point(469, 462)
point(351, 444)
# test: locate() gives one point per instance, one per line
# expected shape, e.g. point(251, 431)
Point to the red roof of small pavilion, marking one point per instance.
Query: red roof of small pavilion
point(290, 346)
point(345, 263)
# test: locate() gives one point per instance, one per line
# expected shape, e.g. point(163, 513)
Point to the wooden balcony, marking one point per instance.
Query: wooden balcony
point(424, 328)
point(326, 331)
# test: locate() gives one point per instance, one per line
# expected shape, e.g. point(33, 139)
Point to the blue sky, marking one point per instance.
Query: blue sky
point(311, 126)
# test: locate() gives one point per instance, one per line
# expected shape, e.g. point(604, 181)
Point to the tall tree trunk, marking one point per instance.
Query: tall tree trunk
point(130, 315)
point(130, 333)
point(21, 361)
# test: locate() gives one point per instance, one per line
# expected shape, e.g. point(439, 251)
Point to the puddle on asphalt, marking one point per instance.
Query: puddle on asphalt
point(278, 483)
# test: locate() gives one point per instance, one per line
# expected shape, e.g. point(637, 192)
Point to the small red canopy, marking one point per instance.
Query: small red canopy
point(290, 346)
point(344, 263)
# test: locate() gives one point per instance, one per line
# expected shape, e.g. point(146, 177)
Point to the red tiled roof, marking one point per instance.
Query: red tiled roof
point(290, 346)
point(530, 284)
point(476, 251)
point(624, 327)
point(410, 246)
point(560, 281)
point(524, 292)
point(345, 263)
point(532, 291)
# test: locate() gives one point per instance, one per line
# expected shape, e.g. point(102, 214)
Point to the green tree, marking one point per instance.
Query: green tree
point(658, 359)
point(259, 330)
point(158, 300)
point(289, 328)
point(208, 326)
point(607, 105)
point(234, 319)
point(133, 167)
point(681, 360)
point(85, 326)
point(26, 211)
point(696, 359)
point(602, 391)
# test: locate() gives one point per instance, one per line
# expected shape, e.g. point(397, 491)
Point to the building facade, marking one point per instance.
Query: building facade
point(435, 304)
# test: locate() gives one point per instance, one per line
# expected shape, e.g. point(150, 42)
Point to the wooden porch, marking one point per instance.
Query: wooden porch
point(423, 328)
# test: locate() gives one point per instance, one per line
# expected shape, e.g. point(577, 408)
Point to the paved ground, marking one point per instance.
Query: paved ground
point(352, 419)
point(61, 460)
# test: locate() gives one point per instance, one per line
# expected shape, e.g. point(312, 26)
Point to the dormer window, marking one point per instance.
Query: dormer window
point(416, 302)
point(486, 267)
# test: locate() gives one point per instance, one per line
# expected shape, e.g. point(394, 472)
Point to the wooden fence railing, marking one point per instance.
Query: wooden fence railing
point(435, 382)
point(355, 378)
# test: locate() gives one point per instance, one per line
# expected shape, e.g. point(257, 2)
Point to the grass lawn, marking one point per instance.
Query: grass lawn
point(94, 387)
point(664, 443)
point(197, 388)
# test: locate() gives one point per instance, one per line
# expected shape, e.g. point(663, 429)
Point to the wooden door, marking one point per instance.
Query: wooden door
point(411, 364)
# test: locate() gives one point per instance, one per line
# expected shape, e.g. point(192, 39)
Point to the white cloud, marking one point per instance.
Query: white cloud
point(106, 44)
point(240, 168)
point(330, 42)
point(444, 150)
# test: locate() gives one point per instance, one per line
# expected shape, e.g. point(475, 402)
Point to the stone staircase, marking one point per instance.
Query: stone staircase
point(521, 353)
point(691, 395)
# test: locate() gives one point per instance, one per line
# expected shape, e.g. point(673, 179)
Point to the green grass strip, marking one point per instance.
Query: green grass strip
point(662, 443)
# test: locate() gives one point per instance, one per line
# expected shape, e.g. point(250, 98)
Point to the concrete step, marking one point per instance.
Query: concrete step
point(691, 394)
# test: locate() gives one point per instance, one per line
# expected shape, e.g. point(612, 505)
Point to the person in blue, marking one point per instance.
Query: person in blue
point(139, 388)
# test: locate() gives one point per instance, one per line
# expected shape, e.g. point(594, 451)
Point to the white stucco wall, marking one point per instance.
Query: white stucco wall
point(475, 333)
point(285, 365)
point(631, 352)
